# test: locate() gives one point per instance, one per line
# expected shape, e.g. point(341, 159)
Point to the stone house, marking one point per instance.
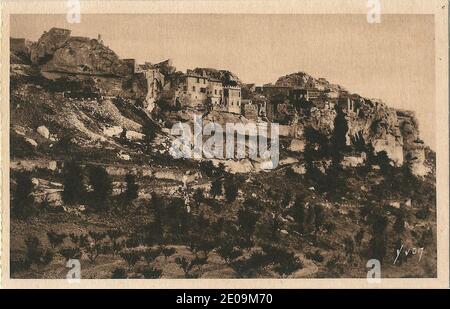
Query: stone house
point(232, 98)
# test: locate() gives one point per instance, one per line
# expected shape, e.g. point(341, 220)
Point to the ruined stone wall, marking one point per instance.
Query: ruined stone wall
point(250, 110)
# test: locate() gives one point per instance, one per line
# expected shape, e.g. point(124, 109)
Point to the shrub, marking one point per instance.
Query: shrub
point(285, 262)
point(55, 239)
point(198, 196)
point(102, 185)
point(149, 130)
point(70, 253)
point(251, 266)
point(167, 251)
point(377, 244)
point(216, 188)
point(184, 264)
point(299, 214)
point(228, 251)
point(151, 254)
point(207, 168)
point(73, 182)
point(119, 273)
point(315, 256)
point(114, 235)
point(22, 198)
point(90, 244)
point(35, 253)
point(131, 256)
point(132, 188)
point(247, 219)
point(17, 265)
point(151, 273)
point(231, 190)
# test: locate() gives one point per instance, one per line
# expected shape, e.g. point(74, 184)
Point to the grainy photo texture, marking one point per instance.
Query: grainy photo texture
point(224, 146)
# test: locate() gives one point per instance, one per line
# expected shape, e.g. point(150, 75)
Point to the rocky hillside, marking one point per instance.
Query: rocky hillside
point(394, 131)
point(97, 165)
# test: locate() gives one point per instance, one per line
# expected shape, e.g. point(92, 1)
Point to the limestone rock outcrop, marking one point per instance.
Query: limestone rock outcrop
point(58, 52)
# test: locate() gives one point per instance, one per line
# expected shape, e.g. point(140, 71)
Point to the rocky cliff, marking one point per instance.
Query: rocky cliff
point(227, 77)
point(394, 131)
point(58, 52)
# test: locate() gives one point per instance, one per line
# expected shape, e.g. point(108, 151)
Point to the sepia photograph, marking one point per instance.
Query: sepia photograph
point(223, 145)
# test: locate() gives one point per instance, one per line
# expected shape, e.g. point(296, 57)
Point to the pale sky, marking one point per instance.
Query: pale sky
point(393, 60)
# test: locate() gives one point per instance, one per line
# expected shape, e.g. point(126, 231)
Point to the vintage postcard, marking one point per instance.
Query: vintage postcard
point(224, 144)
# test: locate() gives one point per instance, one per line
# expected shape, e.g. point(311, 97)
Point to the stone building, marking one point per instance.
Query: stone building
point(195, 88)
point(215, 92)
point(232, 99)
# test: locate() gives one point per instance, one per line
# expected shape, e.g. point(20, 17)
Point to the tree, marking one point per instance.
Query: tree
point(207, 168)
point(299, 213)
point(319, 217)
point(359, 237)
point(349, 246)
point(285, 262)
point(168, 251)
point(102, 185)
point(151, 273)
point(399, 224)
point(119, 273)
point(151, 254)
point(149, 130)
point(55, 239)
point(216, 188)
point(73, 182)
point(70, 253)
point(23, 199)
point(228, 251)
point(316, 146)
point(378, 242)
point(383, 160)
point(132, 188)
point(287, 196)
point(35, 253)
point(185, 265)
point(231, 190)
point(250, 267)
point(198, 196)
point(131, 256)
point(114, 235)
point(339, 137)
point(247, 219)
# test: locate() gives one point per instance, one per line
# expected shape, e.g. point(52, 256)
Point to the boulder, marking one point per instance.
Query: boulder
point(32, 142)
point(112, 131)
point(395, 204)
point(52, 165)
point(79, 55)
point(47, 44)
point(353, 161)
point(134, 136)
point(297, 145)
point(43, 131)
point(124, 156)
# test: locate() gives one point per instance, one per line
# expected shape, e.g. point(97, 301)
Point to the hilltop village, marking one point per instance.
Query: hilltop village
point(200, 88)
point(81, 67)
